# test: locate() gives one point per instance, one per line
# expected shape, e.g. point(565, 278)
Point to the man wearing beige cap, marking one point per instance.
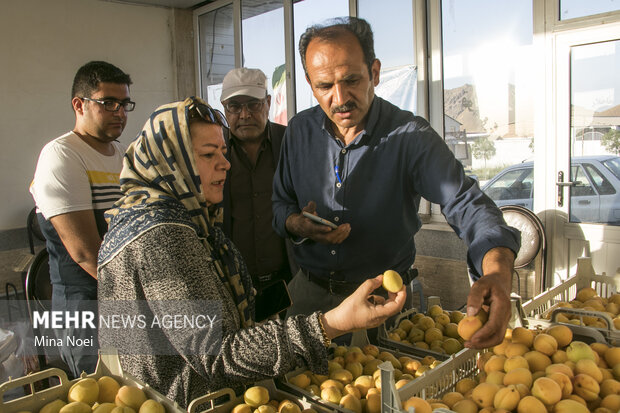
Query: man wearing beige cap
point(253, 151)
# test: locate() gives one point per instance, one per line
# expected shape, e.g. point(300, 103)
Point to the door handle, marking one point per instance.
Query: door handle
point(561, 184)
point(584, 202)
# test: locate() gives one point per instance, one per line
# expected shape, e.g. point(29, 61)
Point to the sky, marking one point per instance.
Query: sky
point(508, 37)
point(570, 9)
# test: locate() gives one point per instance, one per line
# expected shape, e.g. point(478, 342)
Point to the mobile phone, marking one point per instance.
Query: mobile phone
point(319, 220)
point(272, 300)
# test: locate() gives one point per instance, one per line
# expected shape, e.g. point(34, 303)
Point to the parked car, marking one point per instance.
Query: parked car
point(595, 194)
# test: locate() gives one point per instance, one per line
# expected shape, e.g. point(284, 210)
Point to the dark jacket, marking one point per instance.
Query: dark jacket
point(276, 132)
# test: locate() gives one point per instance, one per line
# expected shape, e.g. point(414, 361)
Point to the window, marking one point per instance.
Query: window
point(263, 48)
point(216, 51)
point(571, 9)
point(306, 13)
point(582, 185)
point(488, 78)
point(603, 186)
point(613, 165)
point(594, 109)
point(512, 187)
point(393, 34)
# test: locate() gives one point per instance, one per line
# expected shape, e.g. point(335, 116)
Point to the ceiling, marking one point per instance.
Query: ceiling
point(180, 4)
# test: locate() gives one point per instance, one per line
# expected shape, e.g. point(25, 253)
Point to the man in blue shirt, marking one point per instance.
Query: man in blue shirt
point(363, 164)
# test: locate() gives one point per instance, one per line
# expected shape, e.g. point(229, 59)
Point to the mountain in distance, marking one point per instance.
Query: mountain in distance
point(613, 111)
point(461, 104)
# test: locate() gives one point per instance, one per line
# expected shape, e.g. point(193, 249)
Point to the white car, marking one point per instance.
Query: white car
point(595, 193)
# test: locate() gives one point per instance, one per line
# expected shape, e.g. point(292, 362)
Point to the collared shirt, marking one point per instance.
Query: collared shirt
point(251, 210)
point(382, 174)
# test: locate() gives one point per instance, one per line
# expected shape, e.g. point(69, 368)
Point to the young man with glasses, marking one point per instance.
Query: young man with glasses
point(254, 148)
point(75, 182)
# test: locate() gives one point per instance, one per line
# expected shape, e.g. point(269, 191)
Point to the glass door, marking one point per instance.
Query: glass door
point(585, 197)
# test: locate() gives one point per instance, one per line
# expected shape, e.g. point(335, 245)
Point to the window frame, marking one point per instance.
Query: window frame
point(428, 58)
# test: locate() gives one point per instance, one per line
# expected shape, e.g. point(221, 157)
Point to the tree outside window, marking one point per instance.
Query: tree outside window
point(483, 148)
point(611, 141)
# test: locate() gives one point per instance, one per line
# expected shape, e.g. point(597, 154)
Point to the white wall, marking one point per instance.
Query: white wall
point(43, 43)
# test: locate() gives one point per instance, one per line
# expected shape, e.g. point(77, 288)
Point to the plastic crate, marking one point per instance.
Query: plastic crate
point(541, 306)
point(433, 384)
point(567, 290)
point(360, 339)
point(107, 365)
point(223, 401)
point(284, 383)
point(406, 347)
point(585, 333)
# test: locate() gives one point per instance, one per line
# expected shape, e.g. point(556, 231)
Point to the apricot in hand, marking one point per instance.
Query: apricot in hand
point(470, 324)
point(392, 281)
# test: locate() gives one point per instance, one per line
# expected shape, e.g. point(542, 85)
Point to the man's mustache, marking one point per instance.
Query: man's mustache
point(347, 107)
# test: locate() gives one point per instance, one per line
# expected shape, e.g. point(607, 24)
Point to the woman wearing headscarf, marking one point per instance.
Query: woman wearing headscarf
point(162, 245)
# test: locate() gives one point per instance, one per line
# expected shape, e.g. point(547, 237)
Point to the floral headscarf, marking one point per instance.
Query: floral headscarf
point(159, 167)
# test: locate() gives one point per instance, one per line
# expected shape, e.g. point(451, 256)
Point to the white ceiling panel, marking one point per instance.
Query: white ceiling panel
point(180, 4)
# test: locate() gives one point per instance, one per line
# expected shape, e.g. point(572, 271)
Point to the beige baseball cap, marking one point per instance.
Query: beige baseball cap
point(244, 82)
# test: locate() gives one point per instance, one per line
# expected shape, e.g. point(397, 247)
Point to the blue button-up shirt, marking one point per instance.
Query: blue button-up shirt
point(381, 176)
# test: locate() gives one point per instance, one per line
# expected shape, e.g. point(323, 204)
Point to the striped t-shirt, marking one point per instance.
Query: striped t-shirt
point(72, 176)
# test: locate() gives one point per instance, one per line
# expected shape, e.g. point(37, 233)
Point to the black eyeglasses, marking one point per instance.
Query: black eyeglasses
point(114, 105)
point(252, 106)
point(208, 114)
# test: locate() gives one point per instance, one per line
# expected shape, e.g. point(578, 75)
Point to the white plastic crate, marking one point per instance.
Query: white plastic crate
point(285, 384)
point(107, 365)
point(227, 399)
point(585, 277)
point(433, 384)
point(538, 308)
